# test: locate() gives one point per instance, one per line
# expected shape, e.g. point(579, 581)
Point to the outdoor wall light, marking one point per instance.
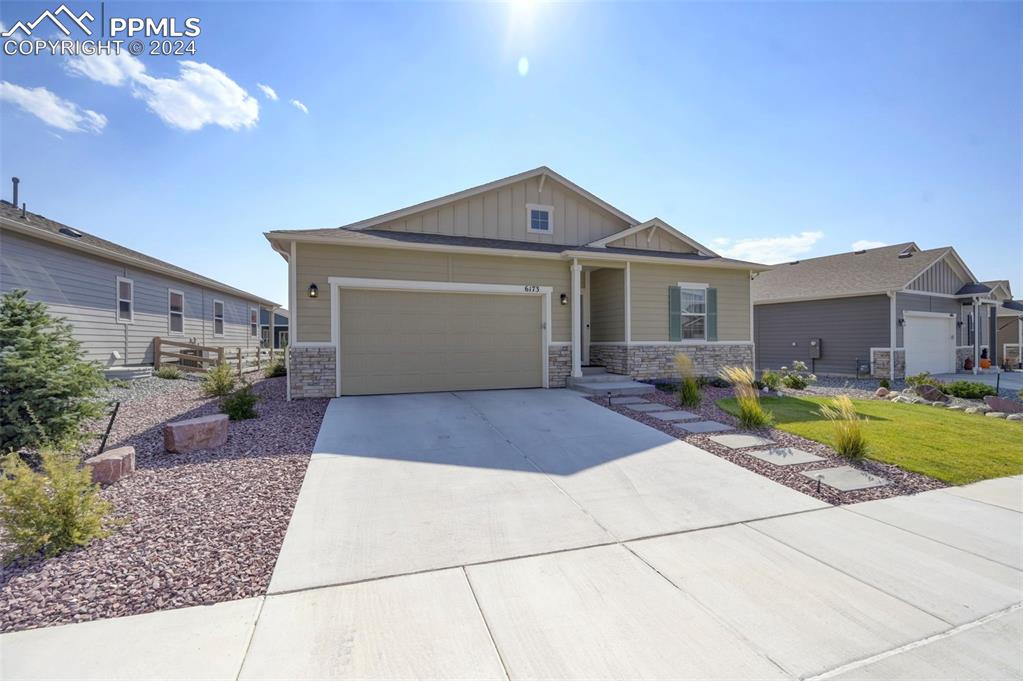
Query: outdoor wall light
point(564, 299)
point(902, 322)
point(313, 291)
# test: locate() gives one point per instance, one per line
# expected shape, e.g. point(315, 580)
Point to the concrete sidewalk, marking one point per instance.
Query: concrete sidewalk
point(928, 586)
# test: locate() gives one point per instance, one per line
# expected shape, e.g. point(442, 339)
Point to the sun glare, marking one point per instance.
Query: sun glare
point(523, 66)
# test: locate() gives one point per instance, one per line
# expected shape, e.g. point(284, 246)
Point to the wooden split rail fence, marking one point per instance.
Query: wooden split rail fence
point(201, 358)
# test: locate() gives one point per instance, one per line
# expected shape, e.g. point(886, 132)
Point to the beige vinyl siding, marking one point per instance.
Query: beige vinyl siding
point(650, 299)
point(501, 214)
point(607, 305)
point(82, 288)
point(658, 241)
point(938, 278)
point(315, 263)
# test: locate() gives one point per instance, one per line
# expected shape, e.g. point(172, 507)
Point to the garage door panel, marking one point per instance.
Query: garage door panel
point(929, 344)
point(408, 341)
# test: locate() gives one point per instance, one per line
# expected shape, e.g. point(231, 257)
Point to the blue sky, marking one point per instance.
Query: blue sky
point(772, 131)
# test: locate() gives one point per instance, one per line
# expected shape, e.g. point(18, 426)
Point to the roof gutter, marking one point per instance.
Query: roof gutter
point(199, 280)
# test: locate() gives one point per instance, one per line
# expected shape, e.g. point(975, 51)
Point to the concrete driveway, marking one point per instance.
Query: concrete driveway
point(533, 534)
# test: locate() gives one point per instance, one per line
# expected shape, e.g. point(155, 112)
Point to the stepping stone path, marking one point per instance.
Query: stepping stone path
point(649, 406)
point(785, 456)
point(704, 427)
point(741, 441)
point(674, 415)
point(845, 478)
point(628, 399)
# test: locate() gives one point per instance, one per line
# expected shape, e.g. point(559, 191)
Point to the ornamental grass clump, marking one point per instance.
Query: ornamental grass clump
point(689, 388)
point(751, 412)
point(51, 510)
point(276, 369)
point(219, 381)
point(169, 372)
point(847, 439)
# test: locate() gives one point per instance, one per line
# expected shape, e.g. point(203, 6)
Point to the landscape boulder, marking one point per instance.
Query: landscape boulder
point(112, 465)
point(881, 392)
point(1015, 417)
point(1006, 406)
point(204, 432)
point(995, 415)
point(931, 393)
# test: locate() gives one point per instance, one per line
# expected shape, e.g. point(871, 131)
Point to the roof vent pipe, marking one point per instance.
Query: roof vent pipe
point(15, 181)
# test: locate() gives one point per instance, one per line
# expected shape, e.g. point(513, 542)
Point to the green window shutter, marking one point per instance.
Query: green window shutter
point(712, 314)
point(674, 313)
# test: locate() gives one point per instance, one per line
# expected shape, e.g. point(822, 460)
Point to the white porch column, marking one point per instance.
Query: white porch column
point(577, 367)
point(628, 303)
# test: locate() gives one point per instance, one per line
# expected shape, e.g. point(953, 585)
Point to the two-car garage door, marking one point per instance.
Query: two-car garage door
point(423, 341)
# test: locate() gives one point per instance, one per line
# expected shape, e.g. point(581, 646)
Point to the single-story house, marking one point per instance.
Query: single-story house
point(118, 300)
point(517, 283)
point(279, 332)
point(842, 314)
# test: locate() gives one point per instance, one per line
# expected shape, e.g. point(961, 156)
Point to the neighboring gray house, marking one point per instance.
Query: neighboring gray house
point(845, 312)
point(116, 299)
point(280, 328)
point(1009, 335)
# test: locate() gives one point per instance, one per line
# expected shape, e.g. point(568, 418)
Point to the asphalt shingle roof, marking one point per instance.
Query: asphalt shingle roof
point(845, 274)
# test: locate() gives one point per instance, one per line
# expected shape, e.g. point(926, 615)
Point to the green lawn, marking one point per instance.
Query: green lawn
point(950, 446)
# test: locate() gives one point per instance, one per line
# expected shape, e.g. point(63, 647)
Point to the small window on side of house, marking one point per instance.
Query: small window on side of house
point(254, 322)
point(218, 318)
point(125, 300)
point(694, 313)
point(539, 219)
point(175, 311)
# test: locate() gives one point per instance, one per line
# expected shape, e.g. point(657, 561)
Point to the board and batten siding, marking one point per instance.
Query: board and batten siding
point(847, 328)
point(83, 289)
point(658, 241)
point(501, 214)
point(607, 305)
point(315, 263)
point(649, 303)
point(938, 278)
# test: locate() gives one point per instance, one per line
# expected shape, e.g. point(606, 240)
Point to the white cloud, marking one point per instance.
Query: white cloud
point(300, 106)
point(864, 244)
point(769, 250)
point(201, 94)
point(268, 91)
point(51, 109)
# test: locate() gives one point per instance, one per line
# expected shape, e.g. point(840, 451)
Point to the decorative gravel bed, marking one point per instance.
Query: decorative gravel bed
point(198, 528)
point(863, 388)
point(900, 481)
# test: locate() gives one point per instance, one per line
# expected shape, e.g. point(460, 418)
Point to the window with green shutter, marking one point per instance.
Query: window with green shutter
point(692, 312)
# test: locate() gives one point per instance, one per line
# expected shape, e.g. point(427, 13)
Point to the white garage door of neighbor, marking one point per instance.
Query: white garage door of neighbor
point(930, 344)
point(420, 341)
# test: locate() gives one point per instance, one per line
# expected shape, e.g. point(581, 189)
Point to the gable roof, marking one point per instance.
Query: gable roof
point(41, 227)
point(542, 171)
point(653, 224)
point(999, 283)
point(868, 272)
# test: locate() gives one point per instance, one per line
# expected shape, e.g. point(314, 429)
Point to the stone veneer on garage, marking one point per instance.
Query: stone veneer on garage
point(644, 362)
point(311, 371)
point(559, 365)
point(880, 365)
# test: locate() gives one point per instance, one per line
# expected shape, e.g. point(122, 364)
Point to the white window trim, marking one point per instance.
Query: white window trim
point(254, 326)
point(530, 207)
point(696, 287)
point(118, 300)
point(170, 331)
point(223, 324)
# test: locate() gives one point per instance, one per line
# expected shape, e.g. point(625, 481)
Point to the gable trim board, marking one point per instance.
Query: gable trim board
point(653, 225)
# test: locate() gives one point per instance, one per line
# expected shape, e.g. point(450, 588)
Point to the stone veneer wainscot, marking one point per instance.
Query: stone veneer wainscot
point(644, 362)
point(312, 371)
point(559, 365)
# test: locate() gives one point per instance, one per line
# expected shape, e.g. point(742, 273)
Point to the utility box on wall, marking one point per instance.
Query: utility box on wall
point(814, 348)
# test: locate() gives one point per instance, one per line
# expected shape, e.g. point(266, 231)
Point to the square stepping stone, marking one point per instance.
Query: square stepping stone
point(704, 427)
point(845, 478)
point(674, 415)
point(628, 399)
point(785, 456)
point(649, 406)
point(741, 441)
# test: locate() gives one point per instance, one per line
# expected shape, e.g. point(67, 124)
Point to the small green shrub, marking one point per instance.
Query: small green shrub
point(848, 439)
point(923, 378)
point(241, 404)
point(751, 412)
point(276, 369)
point(771, 379)
point(47, 390)
point(884, 383)
point(968, 390)
point(689, 389)
point(798, 377)
point(52, 510)
point(713, 382)
point(169, 372)
point(219, 381)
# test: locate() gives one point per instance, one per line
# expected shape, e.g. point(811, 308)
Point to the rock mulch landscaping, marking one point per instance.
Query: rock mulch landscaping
point(900, 481)
point(198, 528)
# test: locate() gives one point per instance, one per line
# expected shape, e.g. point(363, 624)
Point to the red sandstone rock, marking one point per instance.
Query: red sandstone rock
point(204, 432)
point(112, 465)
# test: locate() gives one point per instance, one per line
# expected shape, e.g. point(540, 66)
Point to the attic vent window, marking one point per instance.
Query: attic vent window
point(68, 231)
point(539, 219)
point(905, 254)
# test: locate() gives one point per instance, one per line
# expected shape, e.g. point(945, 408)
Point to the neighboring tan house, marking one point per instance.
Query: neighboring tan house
point(842, 314)
point(118, 300)
point(280, 328)
point(1009, 336)
point(518, 283)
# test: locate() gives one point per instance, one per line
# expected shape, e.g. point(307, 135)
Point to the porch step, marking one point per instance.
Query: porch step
point(599, 374)
point(127, 373)
point(596, 381)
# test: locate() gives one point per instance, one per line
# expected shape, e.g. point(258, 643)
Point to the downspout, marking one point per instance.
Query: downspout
point(892, 334)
